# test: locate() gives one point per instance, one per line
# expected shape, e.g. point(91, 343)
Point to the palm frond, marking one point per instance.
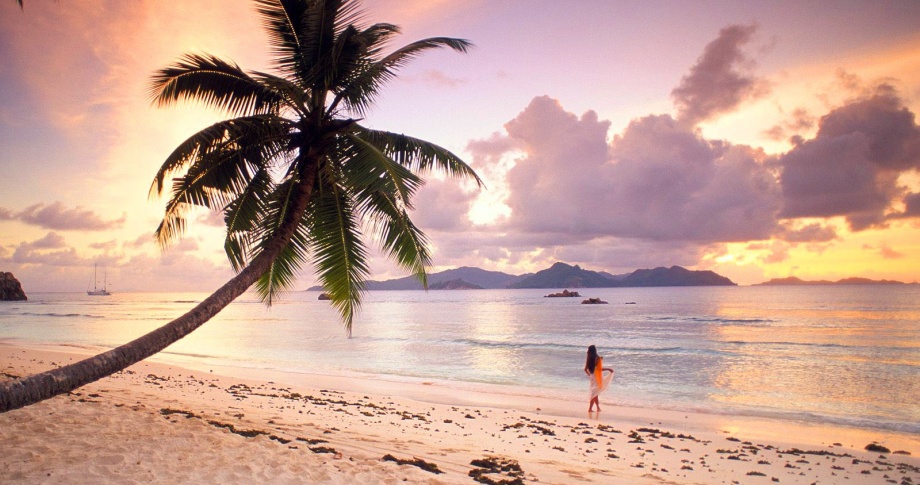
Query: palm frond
point(383, 192)
point(399, 237)
point(283, 21)
point(362, 89)
point(366, 168)
point(357, 51)
point(283, 270)
point(330, 25)
point(337, 251)
point(293, 95)
point(220, 164)
point(213, 82)
point(243, 215)
point(275, 211)
point(418, 155)
point(221, 138)
point(407, 53)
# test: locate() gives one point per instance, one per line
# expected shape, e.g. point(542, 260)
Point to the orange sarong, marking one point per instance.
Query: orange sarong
point(599, 382)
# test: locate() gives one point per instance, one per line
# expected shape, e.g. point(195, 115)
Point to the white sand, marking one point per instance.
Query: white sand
point(165, 424)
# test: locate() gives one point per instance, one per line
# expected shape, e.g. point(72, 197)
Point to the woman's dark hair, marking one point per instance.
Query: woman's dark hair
point(592, 359)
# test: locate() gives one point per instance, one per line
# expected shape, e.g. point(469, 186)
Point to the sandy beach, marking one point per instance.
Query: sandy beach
point(159, 423)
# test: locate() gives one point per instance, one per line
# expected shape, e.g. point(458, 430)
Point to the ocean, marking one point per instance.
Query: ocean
point(842, 355)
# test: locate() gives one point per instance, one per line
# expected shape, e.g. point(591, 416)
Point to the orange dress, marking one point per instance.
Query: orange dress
point(599, 382)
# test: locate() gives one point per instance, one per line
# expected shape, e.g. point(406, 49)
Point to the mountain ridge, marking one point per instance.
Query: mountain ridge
point(559, 275)
point(793, 281)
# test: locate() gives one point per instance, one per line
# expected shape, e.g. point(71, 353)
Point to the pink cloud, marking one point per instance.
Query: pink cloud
point(851, 167)
point(439, 78)
point(721, 79)
point(56, 216)
point(657, 181)
point(52, 240)
point(809, 233)
point(888, 253)
point(442, 206)
point(50, 250)
point(799, 121)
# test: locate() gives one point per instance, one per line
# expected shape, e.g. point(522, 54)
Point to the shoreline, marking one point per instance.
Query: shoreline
point(557, 402)
point(363, 420)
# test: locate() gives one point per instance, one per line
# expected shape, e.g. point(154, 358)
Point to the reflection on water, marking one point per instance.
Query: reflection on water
point(847, 354)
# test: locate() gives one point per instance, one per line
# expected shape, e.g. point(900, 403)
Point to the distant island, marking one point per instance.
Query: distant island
point(793, 281)
point(559, 275)
point(457, 284)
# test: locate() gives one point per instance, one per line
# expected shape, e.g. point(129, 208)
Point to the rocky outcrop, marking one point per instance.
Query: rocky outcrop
point(10, 289)
point(593, 301)
point(563, 294)
point(324, 296)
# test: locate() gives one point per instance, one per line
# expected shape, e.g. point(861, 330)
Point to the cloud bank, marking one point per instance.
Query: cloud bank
point(660, 192)
point(852, 166)
point(57, 216)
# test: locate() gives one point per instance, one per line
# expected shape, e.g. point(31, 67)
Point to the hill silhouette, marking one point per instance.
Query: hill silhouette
point(559, 275)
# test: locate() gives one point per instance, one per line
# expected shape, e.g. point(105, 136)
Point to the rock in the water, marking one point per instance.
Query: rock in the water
point(563, 294)
point(324, 296)
point(593, 301)
point(10, 289)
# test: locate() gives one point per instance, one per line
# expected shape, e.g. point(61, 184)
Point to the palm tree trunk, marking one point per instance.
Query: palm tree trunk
point(30, 390)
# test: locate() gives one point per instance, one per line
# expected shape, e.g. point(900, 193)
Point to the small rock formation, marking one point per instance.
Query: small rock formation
point(593, 301)
point(324, 296)
point(564, 294)
point(10, 289)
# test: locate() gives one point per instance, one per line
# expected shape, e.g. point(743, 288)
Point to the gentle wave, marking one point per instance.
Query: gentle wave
point(718, 320)
point(516, 345)
point(61, 315)
point(189, 354)
point(826, 345)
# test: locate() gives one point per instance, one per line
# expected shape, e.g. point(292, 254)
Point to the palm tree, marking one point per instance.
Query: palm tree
point(297, 179)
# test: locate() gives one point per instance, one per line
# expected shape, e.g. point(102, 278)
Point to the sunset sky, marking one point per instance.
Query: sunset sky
point(755, 139)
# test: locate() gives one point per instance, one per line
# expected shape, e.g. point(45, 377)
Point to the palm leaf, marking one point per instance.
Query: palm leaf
point(220, 161)
point(417, 155)
point(399, 237)
point(283, 21)
point(366, 168)
point(242, 216)
point(283, 270)
point(361, 91)
point(213, 82)
point(337, 251)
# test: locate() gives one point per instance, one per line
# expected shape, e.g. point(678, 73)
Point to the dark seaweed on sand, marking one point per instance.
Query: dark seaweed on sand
point(424, 465)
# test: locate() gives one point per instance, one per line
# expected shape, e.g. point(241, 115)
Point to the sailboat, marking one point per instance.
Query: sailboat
point(98, 291)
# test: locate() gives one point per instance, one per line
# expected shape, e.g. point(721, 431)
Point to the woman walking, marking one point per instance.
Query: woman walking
point(594, 368)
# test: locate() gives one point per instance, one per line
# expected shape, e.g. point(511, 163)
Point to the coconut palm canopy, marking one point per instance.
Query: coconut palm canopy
point(297, 127)
point(298, 178)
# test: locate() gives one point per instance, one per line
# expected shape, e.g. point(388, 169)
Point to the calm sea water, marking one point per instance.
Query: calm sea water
point(839, 354)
